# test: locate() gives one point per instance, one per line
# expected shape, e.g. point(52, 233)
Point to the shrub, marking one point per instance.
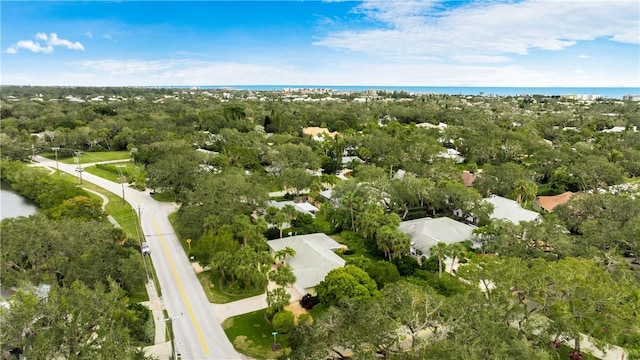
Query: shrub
point(406, 265)
point(308, 301)
point(305, 319)
point(383, 272)
point(431, 264)
point(283, 322)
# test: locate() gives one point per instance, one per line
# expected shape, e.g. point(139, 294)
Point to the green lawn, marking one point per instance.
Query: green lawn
point(89, 157)
point(121, 211)
point(163, 197)
point(127, 169)
point(251, 335)
point(210, 281)
point(355, 244)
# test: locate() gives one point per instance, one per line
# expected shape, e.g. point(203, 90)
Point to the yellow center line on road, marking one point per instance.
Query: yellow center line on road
point(182, 292)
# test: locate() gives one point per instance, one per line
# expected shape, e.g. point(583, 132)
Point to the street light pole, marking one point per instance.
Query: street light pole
point(76, 156)
point(173, 337)
point(55, 149)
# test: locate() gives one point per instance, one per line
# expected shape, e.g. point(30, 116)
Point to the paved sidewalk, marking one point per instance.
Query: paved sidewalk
point(161, 348)
point(240, 307)
point(248, 305)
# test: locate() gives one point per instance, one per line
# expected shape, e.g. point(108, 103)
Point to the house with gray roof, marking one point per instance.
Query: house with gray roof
point(426, 232)
point(510, 210)
point(315, 257)
point(301, 207)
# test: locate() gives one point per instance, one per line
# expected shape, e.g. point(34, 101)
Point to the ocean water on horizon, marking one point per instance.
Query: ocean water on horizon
point(607, 92)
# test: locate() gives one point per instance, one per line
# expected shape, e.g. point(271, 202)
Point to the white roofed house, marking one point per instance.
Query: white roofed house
point(301, 207)
point(510, 210)
point(314, 258)
point(427, 232)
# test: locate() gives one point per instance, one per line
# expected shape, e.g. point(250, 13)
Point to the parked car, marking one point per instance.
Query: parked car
point(146, 250)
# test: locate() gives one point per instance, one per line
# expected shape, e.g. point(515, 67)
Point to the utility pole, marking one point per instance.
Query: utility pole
point(76, 157)
point(121, 180)
point(173, 336)
point(55, 149)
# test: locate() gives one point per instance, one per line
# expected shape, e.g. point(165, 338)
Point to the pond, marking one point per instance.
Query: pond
point(13, 205)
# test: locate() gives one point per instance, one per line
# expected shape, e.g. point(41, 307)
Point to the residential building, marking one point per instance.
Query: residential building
point(426, 232)
point(300, 206)
point(318, 133)
point(468, 178)
point(548, 203)
point(315, 256)
point(510, 210)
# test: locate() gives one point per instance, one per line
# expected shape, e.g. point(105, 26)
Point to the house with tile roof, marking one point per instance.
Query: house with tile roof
point(468, 178)
point(318, 133)
point(548, 203)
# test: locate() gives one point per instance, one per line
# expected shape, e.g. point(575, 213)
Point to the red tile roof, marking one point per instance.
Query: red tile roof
point(550, 202)
point(468, 178)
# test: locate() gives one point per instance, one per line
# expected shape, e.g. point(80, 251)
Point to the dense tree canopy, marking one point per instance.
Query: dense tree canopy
point(518, 147)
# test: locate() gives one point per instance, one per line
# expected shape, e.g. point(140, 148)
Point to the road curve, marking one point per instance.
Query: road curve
point(196, 325)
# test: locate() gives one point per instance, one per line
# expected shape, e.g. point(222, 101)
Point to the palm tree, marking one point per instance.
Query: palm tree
point(290, 212)
point(525, 190)
point(400, 244)
point(276, 217)
point(222, 261)
point(370, 221)
point(246, 230)
point(283, 255)
point(283, 276)
point(384, 238)
point(440, 250)
point(119, 236)
point(455, 251)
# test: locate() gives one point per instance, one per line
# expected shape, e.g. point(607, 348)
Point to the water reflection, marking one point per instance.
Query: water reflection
point(14, 205)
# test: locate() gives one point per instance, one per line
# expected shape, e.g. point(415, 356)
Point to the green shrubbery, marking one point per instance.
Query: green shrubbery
point(283, 322)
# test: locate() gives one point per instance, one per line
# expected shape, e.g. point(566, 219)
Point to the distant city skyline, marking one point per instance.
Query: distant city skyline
point(530, 43)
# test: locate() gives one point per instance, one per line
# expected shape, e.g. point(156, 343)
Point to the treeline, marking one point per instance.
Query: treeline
point(518, 148)
point(90, 266)
point(56, 198)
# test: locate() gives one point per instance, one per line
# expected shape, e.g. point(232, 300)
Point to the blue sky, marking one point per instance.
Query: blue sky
point(530, 43)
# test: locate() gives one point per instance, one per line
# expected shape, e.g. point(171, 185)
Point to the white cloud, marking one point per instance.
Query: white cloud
point(50, 41)
point(127, 67)
point(88, 34)
point(107, 36)
point(584, 56)
point(190, 72)
point(29, 45)
point(429, 28)
point(55, 41)
point(481, 59)
point(199, 72)
point(41, 36)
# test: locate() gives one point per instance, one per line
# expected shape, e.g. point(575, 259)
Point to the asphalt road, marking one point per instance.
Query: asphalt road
point(198, 334)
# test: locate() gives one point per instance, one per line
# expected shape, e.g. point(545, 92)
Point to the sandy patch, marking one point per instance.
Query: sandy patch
point(198, 268)
point(296, 309)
